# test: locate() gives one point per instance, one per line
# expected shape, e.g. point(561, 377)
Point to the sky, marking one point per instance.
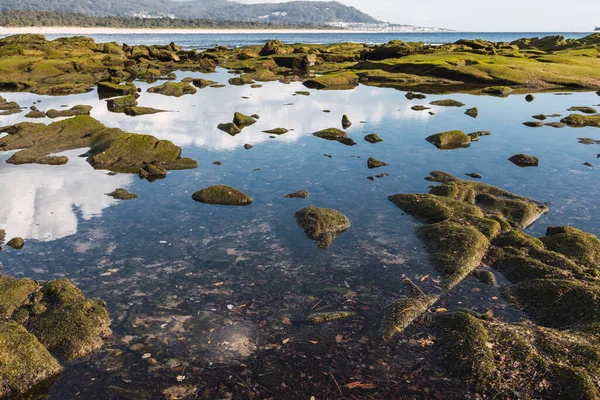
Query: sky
point(472, 15)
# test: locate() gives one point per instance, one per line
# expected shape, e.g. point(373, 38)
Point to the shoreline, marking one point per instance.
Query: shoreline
point(107, 31)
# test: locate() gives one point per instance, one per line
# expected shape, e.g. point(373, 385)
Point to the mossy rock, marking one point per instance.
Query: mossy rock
point(441, 176)
point(346, 123)
point(578, 120)
point(516, 360)
point(486, 277)
point(331, 134)
point(76, 110)
point(579, 246)
point(497, 90)
point(26, 367)
point(557, 303)
point(136, 111)
point(16, 243)
point(242, 121)
point(73, 330)
point(229, 128)
point(241, 81)
point(110, 149)
point(109, 89)
point(413, 96)
point(431, 208)
point(340, 81)
point(373, 138)
point(447, 103)
point(276, 131)
point(584, 109)
point(518, 239)
point(223, 195)
point(402, 313)
point(449, 140)
point(454, 250)
point(301, 194)
point(375, 163)
point(122, 194)
point(14, 292)
point(419, 108)
point(202, 83)
point(174, 89)
point(472, 112)
point(120, 103)
point(524, 160)
point(322, 224)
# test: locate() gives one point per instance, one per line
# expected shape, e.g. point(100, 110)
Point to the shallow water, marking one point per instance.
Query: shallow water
point(158, 261)
point(207, 40)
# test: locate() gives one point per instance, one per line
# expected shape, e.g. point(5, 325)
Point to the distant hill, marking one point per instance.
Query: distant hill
point(294, 12)
point(28, 18)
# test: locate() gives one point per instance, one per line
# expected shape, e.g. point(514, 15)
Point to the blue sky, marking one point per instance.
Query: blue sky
point(471, 15)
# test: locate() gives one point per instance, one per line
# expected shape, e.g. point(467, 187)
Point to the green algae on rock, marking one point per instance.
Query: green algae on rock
point(322, 224)
point(174, 89)
point(230, 128)
point(346, 123)
point(419, 108)
point(119, 104)
point(533, 124)
point(301, 194)
point(472, 112)
point(524, 160)
point(14, 293)
point(373, 138)
point(110, 148)
point(109, 89)
point(375, 163)
point(277, 131)
point(136, 111)
point(26, 366)
point(450, 140)
point(516, 360)
point(399, 315)
point(583, 109)
point(76, 110)
point(242, 121)
point(330, 134)
point(497, 90)
point(339, 80)
point(413, 96)
point(578, 120)
point(122, 194)
point(16, 243)
point(486, 277)
point(447, 103)
point(579, 246)
point(202, 83)
point(222, 195)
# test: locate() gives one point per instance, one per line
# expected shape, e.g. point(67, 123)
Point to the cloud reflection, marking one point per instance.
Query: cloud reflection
point(43, 202)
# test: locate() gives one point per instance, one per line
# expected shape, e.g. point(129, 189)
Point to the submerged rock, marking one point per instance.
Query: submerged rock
point(375, 163)
point(16, 243)
point(223, 195)
point(472, 112)
point(277, 131)
point(302, 194)
point(373, 138)
point(322, 224)
point(122, 194)
point(175, 89)
point(330, 134)
point(322, 317)
point(76, 110)
point(346, 122)
point(524, 160)
point(449, 140)
point(447, 103)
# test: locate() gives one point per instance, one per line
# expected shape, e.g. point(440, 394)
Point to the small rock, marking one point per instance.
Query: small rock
point(375, 163)
point(474, 175)
point(122, 194)
point(373, 138)
point(533, 124)
point(524, 160)
point(472, 112)
point(248, 146)
point(302, 194)
point(16, 243)
point(223, 195)
point(529, 98)
point(346, 122)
